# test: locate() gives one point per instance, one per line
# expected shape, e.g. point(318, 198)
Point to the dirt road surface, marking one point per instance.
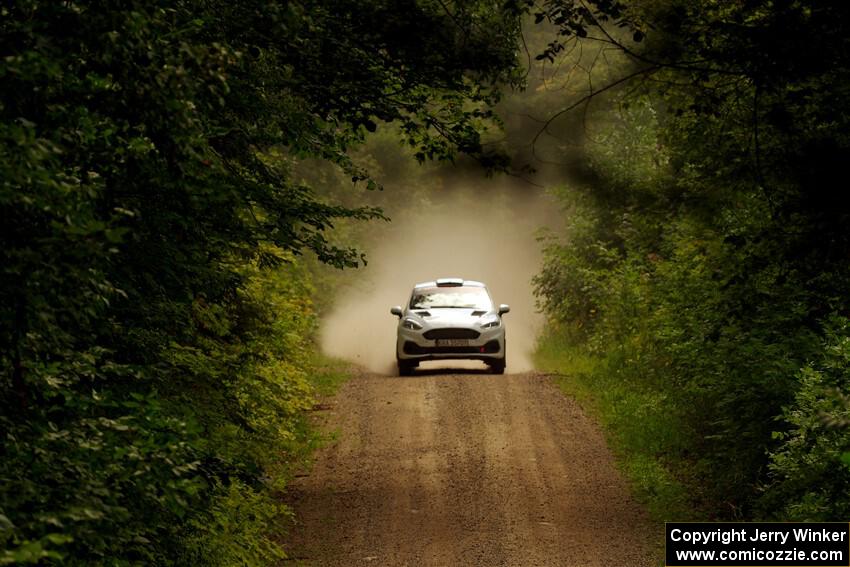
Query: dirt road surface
point(472, 469)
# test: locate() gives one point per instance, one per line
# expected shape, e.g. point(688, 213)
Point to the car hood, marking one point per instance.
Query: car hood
point(449, 317)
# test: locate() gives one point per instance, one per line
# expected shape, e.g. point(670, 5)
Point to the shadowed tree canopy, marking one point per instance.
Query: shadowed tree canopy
point(786, 63)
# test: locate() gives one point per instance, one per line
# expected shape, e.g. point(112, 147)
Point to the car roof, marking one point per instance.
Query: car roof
point(450, 282)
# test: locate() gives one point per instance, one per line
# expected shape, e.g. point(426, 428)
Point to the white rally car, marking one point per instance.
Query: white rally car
point(450, 318)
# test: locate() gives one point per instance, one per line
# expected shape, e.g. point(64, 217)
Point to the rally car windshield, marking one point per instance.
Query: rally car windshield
point(460, 297)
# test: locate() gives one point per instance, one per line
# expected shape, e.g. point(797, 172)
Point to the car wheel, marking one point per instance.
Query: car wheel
point(497, 366)
point(405, 367)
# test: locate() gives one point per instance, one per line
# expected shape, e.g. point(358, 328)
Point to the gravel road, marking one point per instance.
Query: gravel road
point(447, 469)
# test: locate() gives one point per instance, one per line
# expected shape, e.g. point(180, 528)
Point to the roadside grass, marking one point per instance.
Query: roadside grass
point(327, 375)
point(642, 437)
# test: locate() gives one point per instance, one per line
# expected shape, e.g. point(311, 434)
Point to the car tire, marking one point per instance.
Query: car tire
point(497, 366)
point(405, 367)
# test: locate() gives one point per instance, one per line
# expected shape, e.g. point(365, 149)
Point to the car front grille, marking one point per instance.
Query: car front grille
point(451, 333)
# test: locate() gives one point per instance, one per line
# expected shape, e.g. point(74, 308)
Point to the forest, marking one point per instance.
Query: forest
point(177, 178)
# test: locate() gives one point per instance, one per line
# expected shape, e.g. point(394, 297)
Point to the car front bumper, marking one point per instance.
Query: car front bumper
point(412, 345)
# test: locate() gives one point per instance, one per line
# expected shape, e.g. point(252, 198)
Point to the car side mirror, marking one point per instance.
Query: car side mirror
point(396, 311)
point(504, 309)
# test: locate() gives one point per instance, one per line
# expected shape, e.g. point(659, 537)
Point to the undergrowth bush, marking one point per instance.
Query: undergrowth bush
point(694, 320)
point(810, 471)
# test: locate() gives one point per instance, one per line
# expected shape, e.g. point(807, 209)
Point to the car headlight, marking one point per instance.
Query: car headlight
point(490, 324)
point(411, 324)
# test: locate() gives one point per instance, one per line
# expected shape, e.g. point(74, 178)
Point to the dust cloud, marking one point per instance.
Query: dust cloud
point(486, 234)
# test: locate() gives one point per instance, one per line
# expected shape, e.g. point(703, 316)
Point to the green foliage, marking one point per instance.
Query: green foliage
point(235, 529)
point(573, 281)
point(811, 470)
point(706, 252)
point(83, 475)
point(156, 316)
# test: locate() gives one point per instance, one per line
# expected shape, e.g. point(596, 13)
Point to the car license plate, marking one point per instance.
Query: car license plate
point(452, 342)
